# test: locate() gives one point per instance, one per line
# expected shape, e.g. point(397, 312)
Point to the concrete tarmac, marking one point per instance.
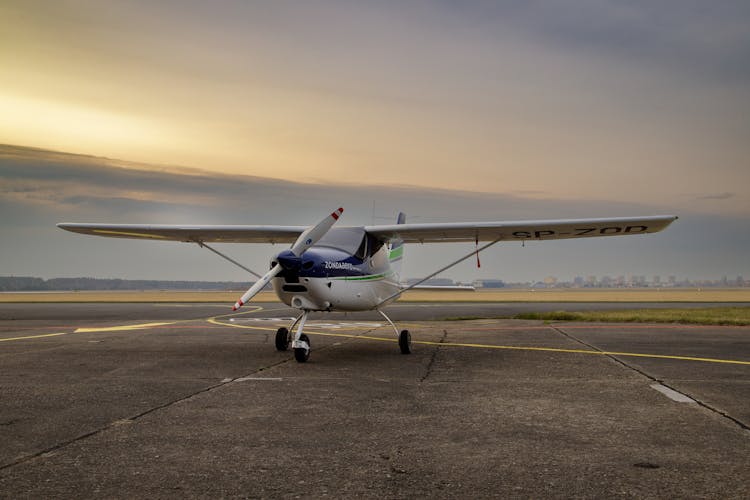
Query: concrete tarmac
point(151, 400)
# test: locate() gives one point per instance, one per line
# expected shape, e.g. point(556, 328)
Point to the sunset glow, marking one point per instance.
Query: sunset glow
point(485, 99)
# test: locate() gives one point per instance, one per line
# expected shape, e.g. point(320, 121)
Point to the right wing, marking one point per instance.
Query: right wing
point(520, 230)
point(187, 233)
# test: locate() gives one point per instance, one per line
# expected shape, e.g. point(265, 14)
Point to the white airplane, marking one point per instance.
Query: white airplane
point(358, 268)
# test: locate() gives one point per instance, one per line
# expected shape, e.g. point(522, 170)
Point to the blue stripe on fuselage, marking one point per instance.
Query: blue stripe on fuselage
point(325, 262)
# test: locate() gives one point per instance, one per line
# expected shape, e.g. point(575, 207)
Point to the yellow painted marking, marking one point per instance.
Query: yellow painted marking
point(513, 348)
point(123, 328)
point(124, 233)
point(35, 336)
point(215, 320)
point(583, 351)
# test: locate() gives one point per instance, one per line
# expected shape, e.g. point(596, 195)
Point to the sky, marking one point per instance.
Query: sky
point(275, 112)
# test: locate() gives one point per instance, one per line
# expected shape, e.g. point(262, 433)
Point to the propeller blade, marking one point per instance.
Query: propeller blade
point(313, 234)
point(307, 239)
point(257, 287)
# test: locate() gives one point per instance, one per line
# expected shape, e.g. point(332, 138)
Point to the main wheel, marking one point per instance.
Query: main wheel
point(282, 339)
point(404, 342)
point(300, 353)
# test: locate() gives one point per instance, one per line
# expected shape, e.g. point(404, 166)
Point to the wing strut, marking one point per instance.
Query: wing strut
point(473, 252)
point(202, 245)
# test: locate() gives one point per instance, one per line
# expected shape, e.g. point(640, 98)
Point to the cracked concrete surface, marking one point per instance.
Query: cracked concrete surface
point(202, 409)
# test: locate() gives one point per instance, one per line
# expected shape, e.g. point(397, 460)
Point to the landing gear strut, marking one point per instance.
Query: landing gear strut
point(301, 342)
point(404, 338)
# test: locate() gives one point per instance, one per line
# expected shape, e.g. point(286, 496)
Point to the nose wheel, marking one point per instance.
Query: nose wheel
point(302, 349)
point(301, 342)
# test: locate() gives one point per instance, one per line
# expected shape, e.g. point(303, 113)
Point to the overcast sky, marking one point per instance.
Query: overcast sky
point(276, 112)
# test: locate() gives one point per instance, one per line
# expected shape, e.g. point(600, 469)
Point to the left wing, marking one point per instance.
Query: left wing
point(520, 230)
point(218, 234)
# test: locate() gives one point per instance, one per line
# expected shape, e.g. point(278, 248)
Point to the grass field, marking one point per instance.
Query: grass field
point(512, 295)
point(704, 316)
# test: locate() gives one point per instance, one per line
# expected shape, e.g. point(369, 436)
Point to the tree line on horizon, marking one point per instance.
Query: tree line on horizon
point(33, 284)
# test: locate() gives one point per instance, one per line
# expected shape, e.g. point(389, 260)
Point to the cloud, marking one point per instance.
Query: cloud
point(111, 188)
point(718, 196)
point(579, 99)
point(667, 36)
point(41, 188)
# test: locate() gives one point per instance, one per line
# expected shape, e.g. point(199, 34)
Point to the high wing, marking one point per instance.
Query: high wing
point(520, 230)
point(409, 233)
point(204, 234)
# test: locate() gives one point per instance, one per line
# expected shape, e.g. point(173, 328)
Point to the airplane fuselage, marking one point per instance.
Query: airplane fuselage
point(330, 279)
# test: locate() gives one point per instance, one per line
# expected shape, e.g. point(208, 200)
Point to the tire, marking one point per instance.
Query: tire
point(301, 354)
point(404, 342)
point(282, 339)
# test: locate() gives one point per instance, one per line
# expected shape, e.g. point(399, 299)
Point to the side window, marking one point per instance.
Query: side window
point(375, 245)
point(362, 250)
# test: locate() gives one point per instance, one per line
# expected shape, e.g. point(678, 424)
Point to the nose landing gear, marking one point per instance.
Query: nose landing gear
point(302, 352)
point(301, 342)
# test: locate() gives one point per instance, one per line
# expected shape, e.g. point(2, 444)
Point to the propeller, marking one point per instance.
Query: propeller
point(307, 239)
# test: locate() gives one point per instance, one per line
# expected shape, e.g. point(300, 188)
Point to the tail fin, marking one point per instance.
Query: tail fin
point(396, 250)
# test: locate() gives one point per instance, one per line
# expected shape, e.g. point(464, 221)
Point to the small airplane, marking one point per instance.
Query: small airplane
point(358, 268)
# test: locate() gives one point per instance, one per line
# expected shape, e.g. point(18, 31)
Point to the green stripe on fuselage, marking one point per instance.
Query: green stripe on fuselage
point(371, 277)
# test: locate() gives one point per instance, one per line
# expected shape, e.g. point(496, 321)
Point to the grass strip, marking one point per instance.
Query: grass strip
point(737, 316)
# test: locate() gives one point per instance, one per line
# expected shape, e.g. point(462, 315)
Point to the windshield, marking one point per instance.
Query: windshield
point(347, 239)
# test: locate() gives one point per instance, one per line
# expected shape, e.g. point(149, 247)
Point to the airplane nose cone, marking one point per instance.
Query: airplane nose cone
point(289, 261)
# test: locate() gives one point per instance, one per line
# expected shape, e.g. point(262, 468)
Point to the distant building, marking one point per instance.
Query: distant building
point(489, 284)
point(433, 281)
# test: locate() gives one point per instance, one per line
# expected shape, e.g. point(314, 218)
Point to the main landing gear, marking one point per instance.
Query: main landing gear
point(404, 338)
point(404, 341)
point(301, 342)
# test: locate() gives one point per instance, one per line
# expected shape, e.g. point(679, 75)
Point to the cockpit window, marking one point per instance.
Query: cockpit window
point(351, 240)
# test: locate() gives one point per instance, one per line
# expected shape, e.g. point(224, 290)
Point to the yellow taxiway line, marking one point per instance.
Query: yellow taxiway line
point(35, 336)
point(123, 328)
point(216, 321)
point(505, 347)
